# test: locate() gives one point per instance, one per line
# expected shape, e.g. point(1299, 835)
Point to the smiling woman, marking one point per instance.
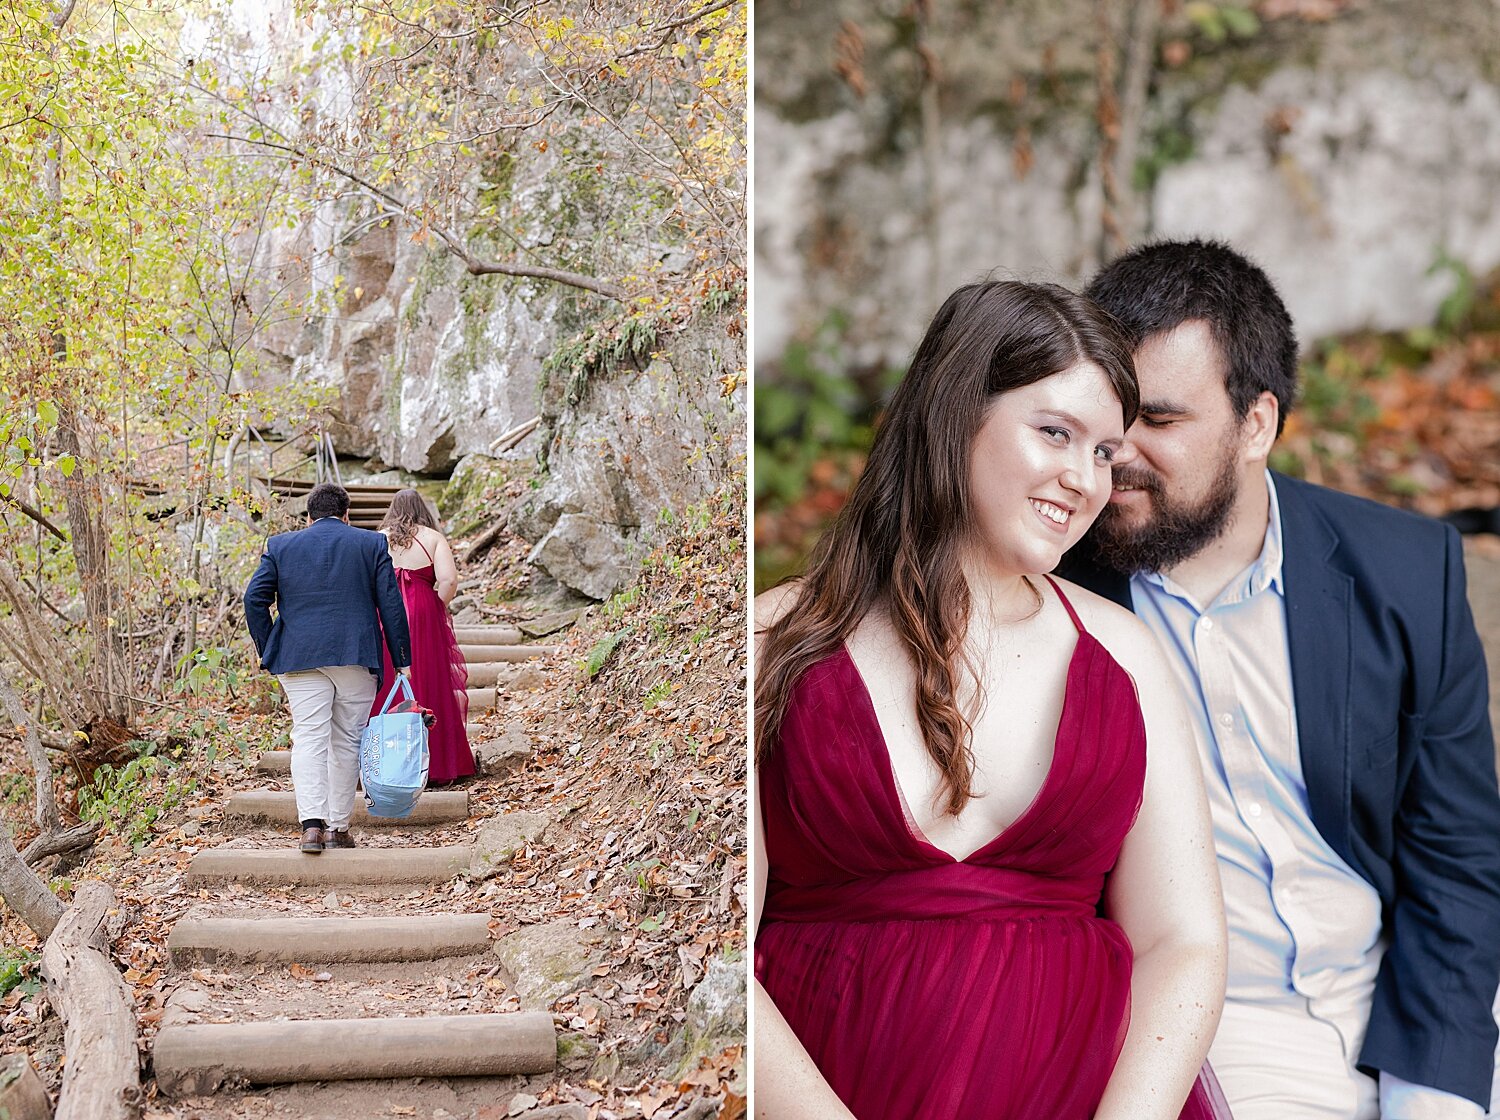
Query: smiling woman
point(954, 750)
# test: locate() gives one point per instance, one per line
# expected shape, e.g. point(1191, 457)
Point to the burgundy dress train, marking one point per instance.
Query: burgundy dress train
point(929, 988)
point(439, 676)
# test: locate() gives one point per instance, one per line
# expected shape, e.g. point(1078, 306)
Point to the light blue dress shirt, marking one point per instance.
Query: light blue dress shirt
point(1301, 921)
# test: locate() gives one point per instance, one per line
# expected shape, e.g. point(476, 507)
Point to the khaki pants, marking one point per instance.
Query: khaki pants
point(330, 708)
point(1276, 1061)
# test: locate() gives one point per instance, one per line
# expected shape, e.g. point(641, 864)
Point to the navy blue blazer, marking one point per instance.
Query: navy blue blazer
point(329, 582)
point(1391, 695)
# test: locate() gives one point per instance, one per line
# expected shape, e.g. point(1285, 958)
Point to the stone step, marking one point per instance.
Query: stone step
point(482, 698)
point(437, 806)
point(328, 940)
point(337, 867)
point(195, 1059)
point(280, 762)
point(487, 674)
point(484, 654)
point(488, 635)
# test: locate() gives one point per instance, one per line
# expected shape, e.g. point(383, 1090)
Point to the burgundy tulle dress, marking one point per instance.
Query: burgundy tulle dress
point(929, 988)
point(439, 676)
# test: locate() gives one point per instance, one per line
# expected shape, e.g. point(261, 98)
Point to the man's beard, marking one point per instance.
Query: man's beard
point(1173, 532)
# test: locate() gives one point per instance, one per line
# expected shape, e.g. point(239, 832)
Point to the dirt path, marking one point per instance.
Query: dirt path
point(348, 983)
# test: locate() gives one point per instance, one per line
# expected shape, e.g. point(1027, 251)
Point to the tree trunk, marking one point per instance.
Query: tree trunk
point(105, 677)
point(24, 892)
point(48, 819)
point(102, 1080)
point(35, 645)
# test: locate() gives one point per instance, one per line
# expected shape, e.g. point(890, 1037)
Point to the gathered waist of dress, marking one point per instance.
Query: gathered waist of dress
point(417, 575)
point(951, 891)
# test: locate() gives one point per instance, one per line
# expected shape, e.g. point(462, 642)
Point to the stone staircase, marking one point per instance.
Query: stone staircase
point(284, 966)
point(367, 504)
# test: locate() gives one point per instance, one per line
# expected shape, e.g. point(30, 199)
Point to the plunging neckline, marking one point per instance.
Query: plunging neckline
point(887, 770)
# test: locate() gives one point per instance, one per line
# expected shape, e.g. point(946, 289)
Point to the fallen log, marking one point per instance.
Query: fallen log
point(63, 840)
point(514, 436)
point(24, 892)
point(22, 1094)
point(102, 1079)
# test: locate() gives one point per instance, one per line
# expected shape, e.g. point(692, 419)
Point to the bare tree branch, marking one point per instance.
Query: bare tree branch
point(62, 16)
point(667, 28)
point(1139, 63)
point(476, 266)
point(36, 515)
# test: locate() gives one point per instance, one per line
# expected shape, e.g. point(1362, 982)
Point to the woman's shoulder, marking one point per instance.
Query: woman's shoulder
point(772, 604)
point(1128, 639)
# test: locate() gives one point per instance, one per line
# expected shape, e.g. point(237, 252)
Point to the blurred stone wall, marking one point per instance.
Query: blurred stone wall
point(896, 160)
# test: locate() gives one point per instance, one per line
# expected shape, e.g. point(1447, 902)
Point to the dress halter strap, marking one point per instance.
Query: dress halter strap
point(1067, 606)
point(427, 554)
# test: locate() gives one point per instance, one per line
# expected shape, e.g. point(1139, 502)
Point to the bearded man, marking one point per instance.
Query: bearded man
point(1339, 691)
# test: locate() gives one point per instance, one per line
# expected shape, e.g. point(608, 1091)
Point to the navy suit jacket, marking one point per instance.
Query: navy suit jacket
point(329, 581)
point(1391, 696)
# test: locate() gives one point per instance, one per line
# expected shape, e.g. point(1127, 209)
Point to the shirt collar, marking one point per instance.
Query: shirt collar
point(1263, 572)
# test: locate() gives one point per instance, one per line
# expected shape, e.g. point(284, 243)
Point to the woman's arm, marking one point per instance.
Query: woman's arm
point(444, 568)
point(788, 1085)
point(1165, 894)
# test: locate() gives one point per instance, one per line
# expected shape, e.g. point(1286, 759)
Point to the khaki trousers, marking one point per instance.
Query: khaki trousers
point(330, 707)
point(1275, 1061)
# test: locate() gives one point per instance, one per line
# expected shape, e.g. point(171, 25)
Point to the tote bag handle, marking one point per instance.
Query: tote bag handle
point(401, 685)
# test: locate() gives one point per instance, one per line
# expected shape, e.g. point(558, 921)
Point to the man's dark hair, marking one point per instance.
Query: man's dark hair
point(327, 499)
point(1158, 287)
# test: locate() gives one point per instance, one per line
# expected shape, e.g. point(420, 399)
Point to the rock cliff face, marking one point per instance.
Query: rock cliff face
point(430, 365)
point(1347, 157)
point(631, 448)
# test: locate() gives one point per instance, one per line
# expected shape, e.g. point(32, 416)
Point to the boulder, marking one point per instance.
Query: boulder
point(587, 555)
point(715, 1015)
point(545, 962)
point(498, 839)
point(505, 755)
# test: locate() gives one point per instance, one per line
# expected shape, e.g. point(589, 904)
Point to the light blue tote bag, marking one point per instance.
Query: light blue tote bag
point(393, 755)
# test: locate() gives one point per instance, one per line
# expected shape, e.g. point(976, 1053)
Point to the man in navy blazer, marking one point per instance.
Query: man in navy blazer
point(335, 590)
point(1339, 691)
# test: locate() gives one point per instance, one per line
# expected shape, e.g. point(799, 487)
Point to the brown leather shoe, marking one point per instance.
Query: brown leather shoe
point(312, 840)
point(340, 839)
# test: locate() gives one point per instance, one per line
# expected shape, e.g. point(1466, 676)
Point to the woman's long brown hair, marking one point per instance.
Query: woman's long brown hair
point(408, 510)
point(899, 540)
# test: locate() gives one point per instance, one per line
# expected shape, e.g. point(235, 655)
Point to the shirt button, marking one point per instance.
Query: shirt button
point(1253, 808)
point(1226, 719)
point(1208, 624)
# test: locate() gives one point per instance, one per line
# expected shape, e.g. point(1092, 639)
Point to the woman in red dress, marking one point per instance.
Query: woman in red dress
point(986, 881)
point(429, 578)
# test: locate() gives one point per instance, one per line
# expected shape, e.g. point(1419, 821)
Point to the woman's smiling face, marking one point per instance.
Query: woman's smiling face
point(1039, 469)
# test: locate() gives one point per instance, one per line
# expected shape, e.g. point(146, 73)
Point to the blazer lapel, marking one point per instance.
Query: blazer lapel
point(1317, 622)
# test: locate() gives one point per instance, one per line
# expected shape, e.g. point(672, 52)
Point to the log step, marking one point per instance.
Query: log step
point(482, 698)
point(488, 635)
point(195, 1059)
point(347, 867)
point(328, 940)
point(434, 807)
point(482, 654)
